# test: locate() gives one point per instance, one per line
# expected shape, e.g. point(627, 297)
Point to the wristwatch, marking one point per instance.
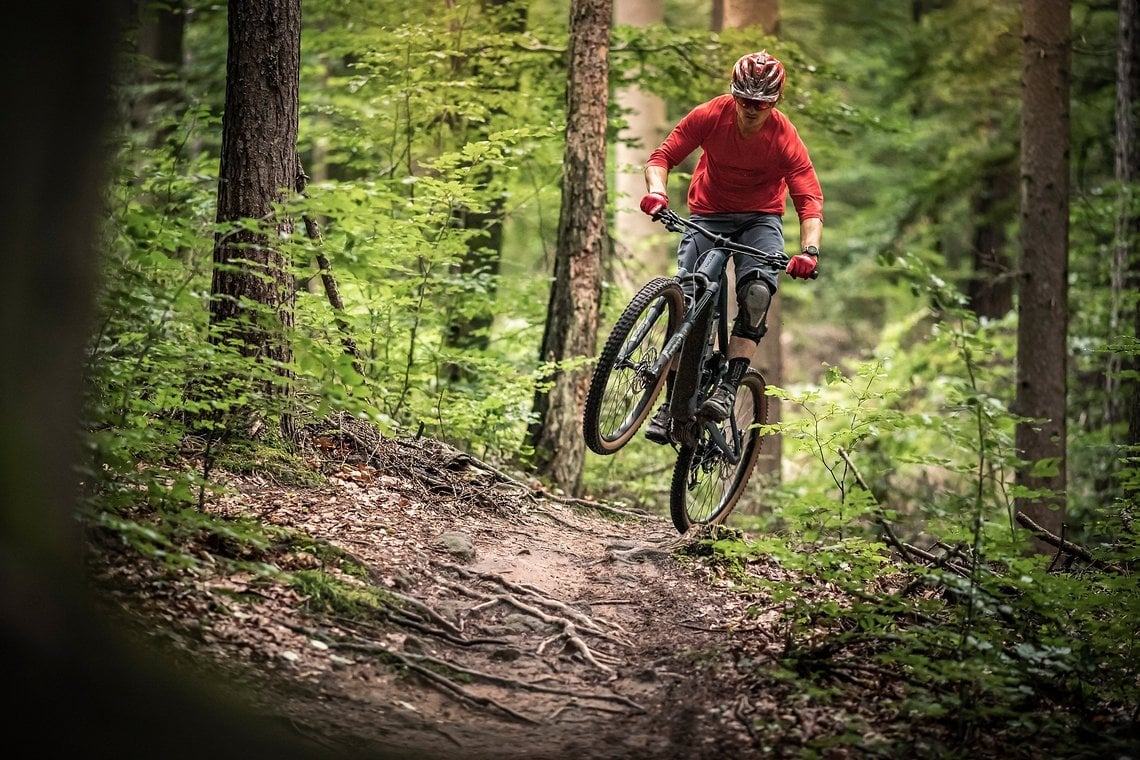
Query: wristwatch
point(811, 250)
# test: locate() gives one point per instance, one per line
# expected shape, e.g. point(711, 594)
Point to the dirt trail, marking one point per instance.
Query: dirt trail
point(527, 627)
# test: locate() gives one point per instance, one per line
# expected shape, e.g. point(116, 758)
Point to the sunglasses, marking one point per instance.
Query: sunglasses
point(755, 105)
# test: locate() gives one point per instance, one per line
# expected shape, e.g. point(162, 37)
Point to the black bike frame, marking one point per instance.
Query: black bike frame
point(706, 289)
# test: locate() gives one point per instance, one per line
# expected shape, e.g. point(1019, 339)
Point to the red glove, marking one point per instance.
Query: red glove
point(654, 203)
point(803, 264)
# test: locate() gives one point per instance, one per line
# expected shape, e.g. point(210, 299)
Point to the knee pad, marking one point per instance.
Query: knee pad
point(752, 299)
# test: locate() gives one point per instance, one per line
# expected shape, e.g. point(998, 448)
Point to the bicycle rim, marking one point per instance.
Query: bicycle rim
point(624, 387)
point(706, 484)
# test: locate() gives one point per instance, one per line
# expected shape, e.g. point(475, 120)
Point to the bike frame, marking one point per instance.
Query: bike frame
point(700, 350)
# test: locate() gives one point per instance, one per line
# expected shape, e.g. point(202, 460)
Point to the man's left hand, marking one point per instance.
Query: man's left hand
point(803, 264)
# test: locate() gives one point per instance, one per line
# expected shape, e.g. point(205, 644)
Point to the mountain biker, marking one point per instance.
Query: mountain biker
point(751, 158)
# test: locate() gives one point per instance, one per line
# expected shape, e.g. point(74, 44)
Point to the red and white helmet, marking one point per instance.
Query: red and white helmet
point(758, 76)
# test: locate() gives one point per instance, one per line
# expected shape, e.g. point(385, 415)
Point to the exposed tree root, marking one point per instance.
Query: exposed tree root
point(432, 615)
point(413, 663)
point(569, 620)
point(590, 623)
point(567, 626)
point(630, 554)
point(439, 680)
point(517, 684)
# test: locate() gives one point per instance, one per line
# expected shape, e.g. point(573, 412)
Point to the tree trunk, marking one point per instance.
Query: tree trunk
point(483, 258)
point(1043, 302)
point(481, 261)
point(1124, 397)
point(161, 28)
point(572, 312)
point(991, 288)
point(740, 14)
point(642, 249)
point(85, 684)
point(259, 166)
point(769, 357)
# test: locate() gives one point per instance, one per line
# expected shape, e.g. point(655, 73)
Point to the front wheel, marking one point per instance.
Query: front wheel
point(624, 385)
point(707, 483)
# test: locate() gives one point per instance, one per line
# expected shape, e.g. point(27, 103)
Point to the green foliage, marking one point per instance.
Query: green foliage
point(979, 651)
point(410, 135)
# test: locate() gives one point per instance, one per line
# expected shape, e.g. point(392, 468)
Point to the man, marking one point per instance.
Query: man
point(751, 158)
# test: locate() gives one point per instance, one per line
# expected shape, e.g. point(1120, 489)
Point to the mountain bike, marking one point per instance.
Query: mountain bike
point(682, 321)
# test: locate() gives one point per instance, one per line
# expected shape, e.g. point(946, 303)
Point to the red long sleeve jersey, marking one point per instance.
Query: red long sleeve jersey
point(737, 173)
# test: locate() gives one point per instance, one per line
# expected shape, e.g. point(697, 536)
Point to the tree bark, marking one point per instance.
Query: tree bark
point(572, 312)
point(259, 167)
point(1042, 352)
point(85, 687)
point(483, 258)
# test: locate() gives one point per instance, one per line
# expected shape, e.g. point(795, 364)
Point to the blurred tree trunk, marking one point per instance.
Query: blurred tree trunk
point(161, 30)
point(1124, 397)
point(85, 686)
point(572, 312)
point(769, 357)
point(642, 250)
point(259, 167)
point(1042, 332)
point(990, 289)
point(739, 14)
point(482, 263)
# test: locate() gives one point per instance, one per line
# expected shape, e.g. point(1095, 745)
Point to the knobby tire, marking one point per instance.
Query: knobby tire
point(706, 486)
point(623, 389)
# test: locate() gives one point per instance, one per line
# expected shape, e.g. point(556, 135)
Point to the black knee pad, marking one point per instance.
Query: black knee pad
point(752, 300)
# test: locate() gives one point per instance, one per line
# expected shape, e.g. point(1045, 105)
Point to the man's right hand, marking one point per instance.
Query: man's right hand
point(654, 203)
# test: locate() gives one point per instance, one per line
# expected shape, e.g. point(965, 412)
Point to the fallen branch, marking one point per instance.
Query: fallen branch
point(1063, 544)
point(942, 562)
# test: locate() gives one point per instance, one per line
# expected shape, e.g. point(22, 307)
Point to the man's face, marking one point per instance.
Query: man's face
point(752, 112)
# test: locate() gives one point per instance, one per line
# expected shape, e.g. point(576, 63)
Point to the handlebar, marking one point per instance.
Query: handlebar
point(674, 222)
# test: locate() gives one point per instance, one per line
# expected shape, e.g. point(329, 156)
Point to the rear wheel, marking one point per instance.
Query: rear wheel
point(706, 482)
point(624, 385)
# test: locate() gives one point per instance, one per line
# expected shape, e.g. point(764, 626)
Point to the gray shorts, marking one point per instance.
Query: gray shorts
point(763, 231)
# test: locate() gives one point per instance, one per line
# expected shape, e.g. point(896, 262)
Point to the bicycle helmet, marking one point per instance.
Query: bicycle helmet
point(758, 76)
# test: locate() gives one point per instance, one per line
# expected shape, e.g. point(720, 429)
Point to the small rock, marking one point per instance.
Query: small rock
point(459, 545)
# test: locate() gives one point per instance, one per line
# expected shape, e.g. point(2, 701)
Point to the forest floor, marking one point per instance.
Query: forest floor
point(518, 625)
